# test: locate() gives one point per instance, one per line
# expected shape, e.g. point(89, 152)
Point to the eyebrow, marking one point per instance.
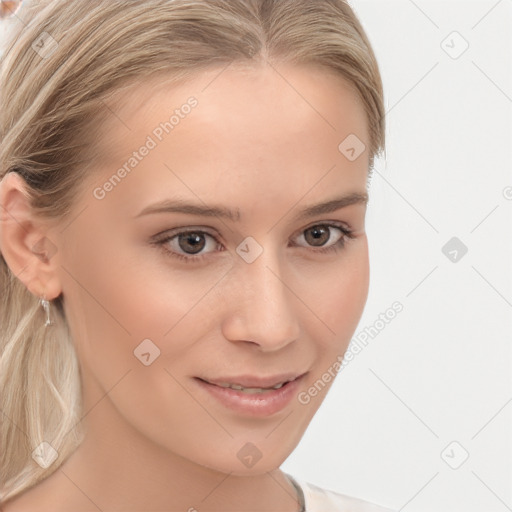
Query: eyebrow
point(180, 206)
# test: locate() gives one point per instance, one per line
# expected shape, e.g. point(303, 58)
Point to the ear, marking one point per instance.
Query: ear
point(25, 242)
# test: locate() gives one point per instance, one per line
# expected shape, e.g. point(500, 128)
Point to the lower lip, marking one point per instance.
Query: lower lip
point(257, 404)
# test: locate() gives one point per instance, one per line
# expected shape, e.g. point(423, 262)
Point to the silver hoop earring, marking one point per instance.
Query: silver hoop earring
point(46, 307)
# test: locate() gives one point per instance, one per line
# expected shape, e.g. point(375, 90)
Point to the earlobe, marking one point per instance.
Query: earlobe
point(27, 248)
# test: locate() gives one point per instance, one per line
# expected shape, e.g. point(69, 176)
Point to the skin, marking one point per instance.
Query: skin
point(262, 141)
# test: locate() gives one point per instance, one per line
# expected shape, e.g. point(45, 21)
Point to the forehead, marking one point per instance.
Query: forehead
point(231, 132)
point(267, 102)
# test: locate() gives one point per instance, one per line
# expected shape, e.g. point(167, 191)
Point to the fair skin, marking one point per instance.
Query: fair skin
point(154, 439)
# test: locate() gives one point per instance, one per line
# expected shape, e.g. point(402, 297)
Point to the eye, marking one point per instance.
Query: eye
point(186, 245)
point(193, 245)
point(321, 235)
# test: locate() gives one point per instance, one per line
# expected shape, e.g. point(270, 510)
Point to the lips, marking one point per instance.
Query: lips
point(253, 396)
point(249, 382)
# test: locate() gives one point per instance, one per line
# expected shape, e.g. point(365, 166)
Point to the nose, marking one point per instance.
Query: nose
point(261, 304)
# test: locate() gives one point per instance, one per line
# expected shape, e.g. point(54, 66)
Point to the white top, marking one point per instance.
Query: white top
point(317, 499)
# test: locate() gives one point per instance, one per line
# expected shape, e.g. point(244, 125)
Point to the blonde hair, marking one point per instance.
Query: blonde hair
point(48, 105)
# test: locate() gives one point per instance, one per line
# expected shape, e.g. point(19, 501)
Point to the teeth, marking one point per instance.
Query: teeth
point(237, 387)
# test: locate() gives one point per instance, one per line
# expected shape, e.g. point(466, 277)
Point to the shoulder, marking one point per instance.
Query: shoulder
point(318, 499)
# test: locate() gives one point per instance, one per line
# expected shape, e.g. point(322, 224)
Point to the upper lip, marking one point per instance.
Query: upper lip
point(254, 381)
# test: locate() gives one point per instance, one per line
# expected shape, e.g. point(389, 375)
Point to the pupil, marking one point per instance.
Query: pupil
point(319, 234)
point(191, 242)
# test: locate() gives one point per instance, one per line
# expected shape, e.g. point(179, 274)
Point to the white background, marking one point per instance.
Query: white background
point(441, 370)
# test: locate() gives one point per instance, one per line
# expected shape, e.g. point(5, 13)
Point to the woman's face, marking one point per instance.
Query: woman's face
point(271, 291)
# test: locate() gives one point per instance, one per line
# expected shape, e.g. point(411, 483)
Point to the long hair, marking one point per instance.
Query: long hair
point(55, 74)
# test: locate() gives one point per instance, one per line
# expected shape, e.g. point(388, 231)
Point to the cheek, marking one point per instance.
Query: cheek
point(115, 302)
point(338, 298)
point(353, 288)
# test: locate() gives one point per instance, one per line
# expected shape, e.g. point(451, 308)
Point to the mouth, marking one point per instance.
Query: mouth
point(253, 385)
point(253, 396)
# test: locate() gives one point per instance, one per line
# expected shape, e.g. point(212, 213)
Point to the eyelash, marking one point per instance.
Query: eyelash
point(347, 234)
